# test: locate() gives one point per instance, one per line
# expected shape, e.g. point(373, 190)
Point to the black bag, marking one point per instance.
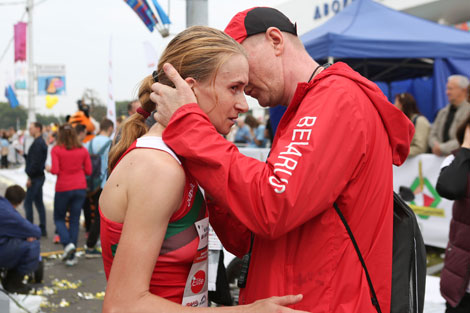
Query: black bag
point(408, 264)
point(94, 180)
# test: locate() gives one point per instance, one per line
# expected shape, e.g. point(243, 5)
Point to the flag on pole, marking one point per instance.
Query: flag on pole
point(20, 41)
point(11, 96)
point(111, 105)
point(163, 16)
point(142, 9)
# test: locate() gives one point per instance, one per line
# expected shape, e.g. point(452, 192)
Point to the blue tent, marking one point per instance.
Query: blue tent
point(386, 45)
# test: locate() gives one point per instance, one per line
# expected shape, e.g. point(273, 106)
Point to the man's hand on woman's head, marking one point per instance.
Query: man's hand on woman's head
point(170, 99)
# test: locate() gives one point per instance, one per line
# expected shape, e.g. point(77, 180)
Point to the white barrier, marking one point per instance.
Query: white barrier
point(433, 212)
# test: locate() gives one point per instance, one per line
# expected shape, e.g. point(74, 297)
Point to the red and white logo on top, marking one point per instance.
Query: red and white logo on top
point(197, 282)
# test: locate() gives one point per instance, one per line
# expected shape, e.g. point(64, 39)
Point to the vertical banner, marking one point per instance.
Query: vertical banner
point(150, 55)
point(111, 105)
point(20, 41)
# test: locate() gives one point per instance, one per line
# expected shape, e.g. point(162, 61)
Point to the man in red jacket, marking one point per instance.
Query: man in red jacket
point(336, 142)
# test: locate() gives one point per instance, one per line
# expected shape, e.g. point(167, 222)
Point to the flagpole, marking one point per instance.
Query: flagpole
point(111, 105)
point(31, 108)
point(196, 12)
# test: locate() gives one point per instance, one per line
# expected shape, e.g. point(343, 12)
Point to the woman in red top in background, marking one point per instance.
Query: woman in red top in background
point(70, 162)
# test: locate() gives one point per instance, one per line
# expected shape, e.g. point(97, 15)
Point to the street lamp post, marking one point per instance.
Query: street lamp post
point(31, 108)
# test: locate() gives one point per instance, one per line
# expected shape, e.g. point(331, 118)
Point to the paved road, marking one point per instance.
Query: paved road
point(73, 284)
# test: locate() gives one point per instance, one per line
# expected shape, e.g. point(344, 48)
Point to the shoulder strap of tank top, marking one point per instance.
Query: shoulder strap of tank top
point(155, 143)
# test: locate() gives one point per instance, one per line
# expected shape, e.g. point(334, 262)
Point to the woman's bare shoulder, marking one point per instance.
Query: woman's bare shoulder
point(148, 174)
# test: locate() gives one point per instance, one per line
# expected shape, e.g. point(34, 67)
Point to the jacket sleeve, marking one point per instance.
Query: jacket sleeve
point(309, 165)
point(452, 182)
point(14, 225)
point(436, 128)
point(419, 144)
point(235, 237)
point(449, 146)
point(55, 161)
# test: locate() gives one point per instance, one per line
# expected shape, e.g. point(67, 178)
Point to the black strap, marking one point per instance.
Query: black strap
point(245, 266)
point(374, 300)
point(325, 66)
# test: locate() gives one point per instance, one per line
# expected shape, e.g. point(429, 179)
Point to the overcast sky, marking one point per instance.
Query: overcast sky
point(77, 32)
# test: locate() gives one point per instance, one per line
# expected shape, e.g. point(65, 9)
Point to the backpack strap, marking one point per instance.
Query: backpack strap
point(104, 147)
point(90, 151)
point(414, 119)
point(374, 300)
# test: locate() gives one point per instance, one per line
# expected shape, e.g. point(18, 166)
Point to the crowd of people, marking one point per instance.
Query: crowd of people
point(70, 151)
point(439, 137)
point(150, 193)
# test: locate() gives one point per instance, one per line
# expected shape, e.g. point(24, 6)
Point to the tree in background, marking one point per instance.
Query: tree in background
point(50, 119)
point(12, 117)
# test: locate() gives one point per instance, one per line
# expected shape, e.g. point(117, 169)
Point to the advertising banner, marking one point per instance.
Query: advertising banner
point(419, 174)
point(51, 79)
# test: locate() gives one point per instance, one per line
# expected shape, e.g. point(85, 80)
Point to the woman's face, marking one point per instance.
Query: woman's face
point(225, 99)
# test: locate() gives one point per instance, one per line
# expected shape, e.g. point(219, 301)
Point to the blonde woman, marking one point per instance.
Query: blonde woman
point(153, 215)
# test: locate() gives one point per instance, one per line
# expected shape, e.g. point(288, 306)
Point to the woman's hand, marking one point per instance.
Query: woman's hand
point(275, 304)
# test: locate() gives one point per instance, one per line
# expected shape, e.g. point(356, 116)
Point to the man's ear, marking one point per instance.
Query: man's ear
point(276, 39)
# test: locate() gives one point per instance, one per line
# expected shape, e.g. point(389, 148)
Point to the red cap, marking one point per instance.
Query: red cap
point(257, 20)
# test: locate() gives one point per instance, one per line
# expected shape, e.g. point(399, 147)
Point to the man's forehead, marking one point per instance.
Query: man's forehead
point(453, 82)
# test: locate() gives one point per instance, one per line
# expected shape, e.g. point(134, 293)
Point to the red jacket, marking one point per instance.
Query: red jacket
point(70, 166)
point(336, 142)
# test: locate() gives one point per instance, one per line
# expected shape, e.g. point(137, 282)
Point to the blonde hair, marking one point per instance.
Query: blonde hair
point(196, 52)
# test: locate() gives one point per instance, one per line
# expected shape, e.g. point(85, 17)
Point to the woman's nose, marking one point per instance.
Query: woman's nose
point(241, 104)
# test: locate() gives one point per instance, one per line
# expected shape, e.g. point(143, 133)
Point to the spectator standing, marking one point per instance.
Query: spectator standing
point(19, 242)
point(5, 148)
point(70, 162)
point(132, 107)
point(442, 136)
point(35, 164)
point(407, 104)
point(243, 134)
point(80, 129)
point(257, 131)
point(454, 184)
point(99, 145)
